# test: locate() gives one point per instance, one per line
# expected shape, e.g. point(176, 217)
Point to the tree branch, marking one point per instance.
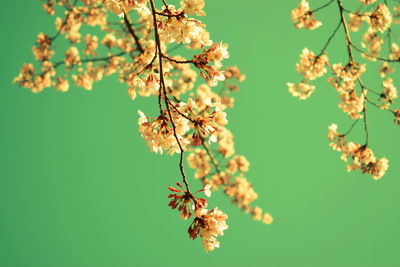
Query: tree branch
point(164, 92)
point(131, 30)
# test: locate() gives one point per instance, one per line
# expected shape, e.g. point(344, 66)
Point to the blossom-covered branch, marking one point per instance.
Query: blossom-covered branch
point(380, 18)
point(189, 113)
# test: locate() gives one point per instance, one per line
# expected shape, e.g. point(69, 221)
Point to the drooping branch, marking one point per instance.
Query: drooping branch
point(347, 78)
point(346, 31)
point(129, 26)
point(163, 93)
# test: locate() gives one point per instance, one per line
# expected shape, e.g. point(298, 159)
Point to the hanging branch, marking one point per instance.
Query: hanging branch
point(191, 118)
point(345, 78)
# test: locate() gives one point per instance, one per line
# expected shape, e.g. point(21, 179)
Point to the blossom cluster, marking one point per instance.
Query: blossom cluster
point(303, 17)
point(347, 78)
point(361, 156)
point(141, 45)
point(311, 67)
point(206, 224)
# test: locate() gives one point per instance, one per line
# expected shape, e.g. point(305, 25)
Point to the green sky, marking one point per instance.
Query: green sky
point(79, 187)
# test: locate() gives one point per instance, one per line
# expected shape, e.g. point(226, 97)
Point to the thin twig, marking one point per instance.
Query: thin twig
point(351, 58)
point(323, 6)
point(346, 30)
point(177, 61)
point(378, 58)
point(351, 128)
point(57, 64)
point(210, 154)
point(330, 39)
point(179, 112)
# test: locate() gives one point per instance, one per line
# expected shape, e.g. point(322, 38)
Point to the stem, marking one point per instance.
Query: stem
point(364, 111)
point(351, 128)
point(214, 161)
point(57, 64)
point(378, 58)
point(129, 24)
point(177, 61)
point(330, 39)
point(180, 113)
point(351, 58)
point(323, 6)
point(346, 30)
point(164, 92)
point(211, 155)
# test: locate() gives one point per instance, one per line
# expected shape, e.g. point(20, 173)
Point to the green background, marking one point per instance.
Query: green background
point(79, 187)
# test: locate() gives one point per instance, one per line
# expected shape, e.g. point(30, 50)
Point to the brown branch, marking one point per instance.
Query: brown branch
point(61, 28)
point(351, 128)
point(178, 16)
point(65, 20)
point(379, 107)
point(323, 6)
point(330, 39)
point(150, 64)
point(346, 30)
point(164, 92)
point(131, 30)
point(57, 64)
point(165, 3)
point(211, 155)
point(179, 112)
point(364, 111)
point(60, 63)
point(378, 58)
point(351, 44)
point(355, 13)
point(177, 61)
point(351, 58)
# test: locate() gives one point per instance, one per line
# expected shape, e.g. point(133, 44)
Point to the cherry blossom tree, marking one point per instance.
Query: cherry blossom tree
point(346, 78)
point(138, 43)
